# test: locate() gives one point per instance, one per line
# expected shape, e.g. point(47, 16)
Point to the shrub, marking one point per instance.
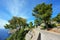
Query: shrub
point(51, 25)
point(19, 35)
point(58, 24)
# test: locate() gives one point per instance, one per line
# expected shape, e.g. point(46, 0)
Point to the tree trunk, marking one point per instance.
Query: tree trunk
point(46, 24)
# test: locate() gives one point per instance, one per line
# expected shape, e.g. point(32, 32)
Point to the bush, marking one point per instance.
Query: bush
point(58, 24)
point(51, 25)
point(54, 25)
point(43, 27)
point(19, 35)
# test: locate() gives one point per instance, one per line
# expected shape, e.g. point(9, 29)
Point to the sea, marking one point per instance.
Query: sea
point(4, 34)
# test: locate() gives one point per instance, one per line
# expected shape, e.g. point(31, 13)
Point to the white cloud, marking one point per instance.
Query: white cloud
point(2, 23)
point(15, 6)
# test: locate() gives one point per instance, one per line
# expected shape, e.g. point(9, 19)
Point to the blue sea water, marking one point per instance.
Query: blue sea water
point(3, 34)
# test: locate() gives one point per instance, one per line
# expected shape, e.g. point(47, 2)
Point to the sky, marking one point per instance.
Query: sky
point(23, 8)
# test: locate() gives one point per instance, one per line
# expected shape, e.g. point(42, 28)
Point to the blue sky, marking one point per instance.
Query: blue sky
point(23, 8)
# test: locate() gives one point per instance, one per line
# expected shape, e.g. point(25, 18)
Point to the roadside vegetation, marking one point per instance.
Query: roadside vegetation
point(42, 13)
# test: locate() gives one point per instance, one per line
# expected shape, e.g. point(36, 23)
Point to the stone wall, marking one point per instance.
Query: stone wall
point(49, 36)
point(32, 35)
point(37, 34)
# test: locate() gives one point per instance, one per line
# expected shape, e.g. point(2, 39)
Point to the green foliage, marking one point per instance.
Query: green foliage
point(30, 24)
point(54, 25)
point(43, 11)
point(36, 22)
point(19, 35)
point(58, 24)
point(16, 22)
point(57, 18)
point(49, 26)
point(43, 27)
